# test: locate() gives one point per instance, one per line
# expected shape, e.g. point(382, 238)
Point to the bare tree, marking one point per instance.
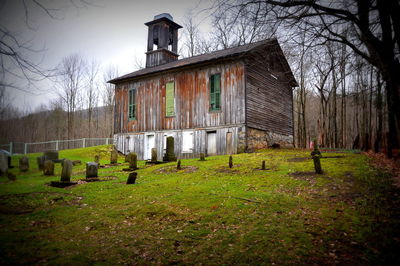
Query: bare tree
point(109, 73)
point(92, 91)
point(370, 29)
point(71, 74)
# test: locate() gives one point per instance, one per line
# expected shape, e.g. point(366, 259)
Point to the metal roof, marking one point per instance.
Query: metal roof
point(200, 59)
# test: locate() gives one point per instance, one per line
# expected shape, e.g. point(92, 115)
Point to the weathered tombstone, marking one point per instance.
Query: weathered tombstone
point(131, 178)
point(3, 164)
point(114, 157)
point(154, 155)
point(23, 164)
point(92, 170)
point(316, 156)
point(202, 157)
point(97, 159)
point(51, 155)
point(263, 165)
point(230, 161)
point(40, 162)
point(170, 151)
point(178, 165)
point(66, 171)
point(133, 161)
point(48, 167)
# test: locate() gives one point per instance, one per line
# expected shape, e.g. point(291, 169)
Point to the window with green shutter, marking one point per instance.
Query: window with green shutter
point(215, 92)
point(170, 99)
point(132, 104)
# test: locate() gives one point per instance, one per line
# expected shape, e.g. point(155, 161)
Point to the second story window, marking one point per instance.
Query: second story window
point(215, 92)
point(170, 99)
point(132, 104)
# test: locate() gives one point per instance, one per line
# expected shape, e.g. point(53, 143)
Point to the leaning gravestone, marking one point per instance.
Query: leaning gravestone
point(131, 178)
point(3, 164)
point(48, 167)
point(66, 171)
point(91, 170)
point(114, 157)
point(40, 162)
point(51, 155)
point(316, 156)
point(24, 164)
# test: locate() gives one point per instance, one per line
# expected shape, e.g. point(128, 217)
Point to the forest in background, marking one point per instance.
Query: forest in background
point(344, 56)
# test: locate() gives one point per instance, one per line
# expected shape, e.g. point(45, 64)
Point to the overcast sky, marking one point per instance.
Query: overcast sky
point(112, 32)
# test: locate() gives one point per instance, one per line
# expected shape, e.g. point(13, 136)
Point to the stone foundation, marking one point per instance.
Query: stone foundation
point(260, 139)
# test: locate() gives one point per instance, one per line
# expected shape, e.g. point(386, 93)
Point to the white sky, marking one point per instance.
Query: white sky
point(112, 32)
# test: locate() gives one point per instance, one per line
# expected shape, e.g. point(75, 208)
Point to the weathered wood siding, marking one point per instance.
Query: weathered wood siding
point(269, 103)
point(191, 100)
point(136, 142)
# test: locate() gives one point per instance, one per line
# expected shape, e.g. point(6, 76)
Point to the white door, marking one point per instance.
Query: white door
point(149, 146)
point(211, 143)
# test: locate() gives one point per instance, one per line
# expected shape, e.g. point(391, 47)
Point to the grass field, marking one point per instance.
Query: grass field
point(205, 213)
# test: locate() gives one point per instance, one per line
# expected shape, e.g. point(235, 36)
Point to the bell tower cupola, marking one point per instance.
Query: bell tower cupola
point(162, 42)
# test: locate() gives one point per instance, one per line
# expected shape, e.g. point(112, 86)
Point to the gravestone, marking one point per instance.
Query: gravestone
point(170, 151)
point(92, 169)
point(3, 164)
point(11, 176)
point(114, 157)
point(132, 161)
point(202, 157)
point(66, 171)
point(131, 178)
point(263, 165)
point(24, 164)
point(178, 166)
point(154, 155)
point(316, 156)
point(40, 162)
point(51, 155)
point(230, 161)
point(48, 167)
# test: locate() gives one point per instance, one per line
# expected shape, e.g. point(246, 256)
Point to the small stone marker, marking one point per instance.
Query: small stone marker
point(154, 155)
point(263, 165)
point(3, 164)
point(178, 166)
point(97, 159)
point(202, 157)
point(316, 156)
point(170, 150)
point(11, 176)
point(132, 161)
point(40, 162)
point(76, 162)
point(48, 167)
point(51, 155)
point(92, 170)
point(230, 161)
point(114, 157)
point(131, 178)
point(66, 171)
point(24, 164)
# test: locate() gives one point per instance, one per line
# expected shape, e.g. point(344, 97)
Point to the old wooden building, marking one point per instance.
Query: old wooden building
point(224, 102)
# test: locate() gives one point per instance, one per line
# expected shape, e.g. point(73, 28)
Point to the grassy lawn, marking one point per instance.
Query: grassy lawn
point(205, 213)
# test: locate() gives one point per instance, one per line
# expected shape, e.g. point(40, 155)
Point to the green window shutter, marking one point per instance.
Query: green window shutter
point(132, 104)
point(170, 99)
point(215, 92)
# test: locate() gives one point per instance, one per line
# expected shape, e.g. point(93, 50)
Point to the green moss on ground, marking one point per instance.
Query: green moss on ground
point(205, 213)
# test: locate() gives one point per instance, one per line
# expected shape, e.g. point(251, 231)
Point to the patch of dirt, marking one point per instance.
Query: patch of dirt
point(302, 159)
point(226, 169)
point(172, 169)
point(308, 176)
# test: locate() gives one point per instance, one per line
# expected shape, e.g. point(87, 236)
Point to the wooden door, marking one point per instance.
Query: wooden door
point(149, 145)
point(229, 143)
point(211, 143)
